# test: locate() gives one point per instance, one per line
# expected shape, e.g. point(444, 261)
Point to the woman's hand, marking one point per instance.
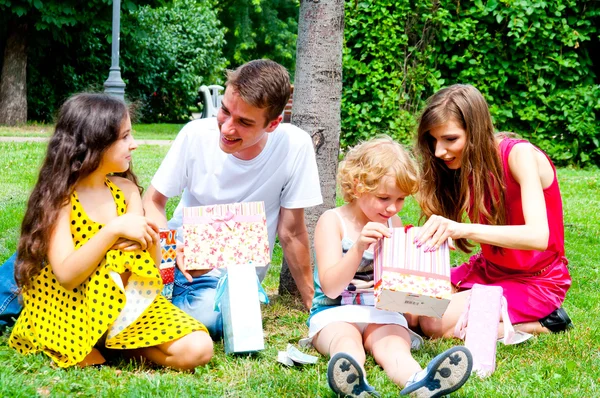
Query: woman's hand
point(370, 234)
point(438, 230)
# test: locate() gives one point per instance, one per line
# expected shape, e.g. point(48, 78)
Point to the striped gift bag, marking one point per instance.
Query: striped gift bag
point(221, 235)
point(408, 279)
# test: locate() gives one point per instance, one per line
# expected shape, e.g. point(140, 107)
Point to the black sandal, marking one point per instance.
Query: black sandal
point(557, 321)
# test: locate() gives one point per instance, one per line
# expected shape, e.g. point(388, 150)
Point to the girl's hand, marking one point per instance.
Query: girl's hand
point(126, 245)
point(370, 234)
point(438, 230)
point(136, 228)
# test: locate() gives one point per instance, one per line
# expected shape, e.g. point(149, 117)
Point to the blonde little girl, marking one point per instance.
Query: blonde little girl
point(375, 178)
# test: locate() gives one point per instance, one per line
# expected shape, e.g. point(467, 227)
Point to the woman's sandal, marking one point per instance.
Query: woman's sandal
point(346, 377)
point(446, 373)
point(557, 321)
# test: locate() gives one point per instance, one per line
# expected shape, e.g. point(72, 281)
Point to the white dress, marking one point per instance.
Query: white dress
point(360, 315)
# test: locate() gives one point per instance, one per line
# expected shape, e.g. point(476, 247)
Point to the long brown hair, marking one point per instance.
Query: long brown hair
point(448, 192)
point(87, 125)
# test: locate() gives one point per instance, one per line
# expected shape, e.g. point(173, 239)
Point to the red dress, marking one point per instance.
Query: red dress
point(535, 282)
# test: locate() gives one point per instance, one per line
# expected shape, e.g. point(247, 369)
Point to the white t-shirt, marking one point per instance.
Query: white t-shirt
point(284, 174)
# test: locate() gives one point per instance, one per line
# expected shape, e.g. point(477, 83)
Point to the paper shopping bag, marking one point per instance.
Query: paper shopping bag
point(239, 294)
point(478, 326)
point(481, 329)
point(409, 279)
point(222, 235)
point(168, 247)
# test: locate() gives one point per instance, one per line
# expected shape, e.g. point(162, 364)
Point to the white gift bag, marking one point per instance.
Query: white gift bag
point(239, 294)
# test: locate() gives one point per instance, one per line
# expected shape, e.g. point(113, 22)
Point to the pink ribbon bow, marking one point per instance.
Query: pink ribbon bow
point(225, 219)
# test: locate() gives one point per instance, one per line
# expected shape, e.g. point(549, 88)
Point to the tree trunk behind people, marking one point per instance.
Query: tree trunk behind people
point(317, 96)
point(13, 80)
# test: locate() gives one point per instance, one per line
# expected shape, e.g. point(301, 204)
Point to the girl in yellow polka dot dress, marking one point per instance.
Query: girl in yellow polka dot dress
point(83, 291)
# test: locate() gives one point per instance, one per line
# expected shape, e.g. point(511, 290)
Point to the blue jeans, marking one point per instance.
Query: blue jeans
point(197, 299)
point(10, 307)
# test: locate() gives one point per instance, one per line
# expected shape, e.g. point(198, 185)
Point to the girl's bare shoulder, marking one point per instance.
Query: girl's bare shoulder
point(125, 185)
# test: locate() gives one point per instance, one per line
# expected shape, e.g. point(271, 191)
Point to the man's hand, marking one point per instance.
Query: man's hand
point(189, 275)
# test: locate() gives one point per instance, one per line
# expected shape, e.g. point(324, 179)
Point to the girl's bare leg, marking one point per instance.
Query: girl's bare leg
point(93, 358)
point(185, 353)
point(340, 337)
point(390, 346)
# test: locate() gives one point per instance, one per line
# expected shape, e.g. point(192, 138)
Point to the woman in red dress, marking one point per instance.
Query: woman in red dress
point(509, 190)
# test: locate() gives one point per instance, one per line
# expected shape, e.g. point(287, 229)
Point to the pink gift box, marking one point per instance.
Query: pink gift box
point(409, 279)
point(222, 235)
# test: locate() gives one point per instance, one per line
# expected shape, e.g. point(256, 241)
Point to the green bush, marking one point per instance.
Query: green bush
point(530, 59)
point(260, 29)
point(166, 54)
point(171, 51)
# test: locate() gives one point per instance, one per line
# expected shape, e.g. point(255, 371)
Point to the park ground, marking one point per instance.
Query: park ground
point(557, 365)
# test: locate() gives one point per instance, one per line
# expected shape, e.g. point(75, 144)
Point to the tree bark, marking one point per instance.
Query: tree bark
point(317, 96)
point(13, 80)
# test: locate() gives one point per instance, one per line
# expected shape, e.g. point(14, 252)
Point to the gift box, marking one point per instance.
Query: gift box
point(221, 235)
point(410, 279)
point(168, 248)
point(238, 297)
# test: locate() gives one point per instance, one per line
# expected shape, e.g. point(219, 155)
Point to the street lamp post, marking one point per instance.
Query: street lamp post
point(114, 85)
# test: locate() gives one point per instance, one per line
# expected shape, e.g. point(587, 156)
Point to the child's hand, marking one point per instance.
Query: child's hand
point(370, 234)
point(126, 245)
point(436, 231)
point(136, 228)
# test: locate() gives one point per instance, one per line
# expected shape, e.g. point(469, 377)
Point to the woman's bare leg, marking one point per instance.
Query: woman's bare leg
point(435, 327)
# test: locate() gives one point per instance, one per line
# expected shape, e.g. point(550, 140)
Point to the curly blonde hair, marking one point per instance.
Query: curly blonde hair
point(367, 163)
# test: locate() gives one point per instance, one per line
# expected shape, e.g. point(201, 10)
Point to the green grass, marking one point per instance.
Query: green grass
point(140, 131)
point(547, 366)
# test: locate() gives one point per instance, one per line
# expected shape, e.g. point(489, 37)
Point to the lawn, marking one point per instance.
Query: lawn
point(546, 366)
point(140, 131)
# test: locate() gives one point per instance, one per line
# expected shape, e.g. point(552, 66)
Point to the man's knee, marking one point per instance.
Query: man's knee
point(200, 306)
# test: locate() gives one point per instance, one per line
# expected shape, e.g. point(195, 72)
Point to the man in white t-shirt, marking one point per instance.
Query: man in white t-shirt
point(245, 154)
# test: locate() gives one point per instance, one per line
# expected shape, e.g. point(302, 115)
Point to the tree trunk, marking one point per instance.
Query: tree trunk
point(13, 80)
point(317, 96)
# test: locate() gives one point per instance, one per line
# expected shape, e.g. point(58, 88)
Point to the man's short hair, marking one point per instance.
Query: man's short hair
point(262, 83)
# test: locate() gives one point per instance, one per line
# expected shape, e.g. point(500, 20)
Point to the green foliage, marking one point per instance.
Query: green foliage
point(385, 72)
point(260, 29)
point(530, 59)
point(170, 52)
point(166, 54)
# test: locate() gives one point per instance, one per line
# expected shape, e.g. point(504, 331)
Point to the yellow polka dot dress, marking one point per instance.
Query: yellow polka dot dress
point(67, 324)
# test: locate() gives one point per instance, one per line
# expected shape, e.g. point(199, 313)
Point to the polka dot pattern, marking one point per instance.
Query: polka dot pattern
point(66, 324)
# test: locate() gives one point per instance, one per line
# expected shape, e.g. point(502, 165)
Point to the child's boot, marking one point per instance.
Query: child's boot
point(444, 374)
point(346, 377)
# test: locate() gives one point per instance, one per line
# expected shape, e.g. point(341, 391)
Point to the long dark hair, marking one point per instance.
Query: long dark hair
point(448, 192)
point(87, 125)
